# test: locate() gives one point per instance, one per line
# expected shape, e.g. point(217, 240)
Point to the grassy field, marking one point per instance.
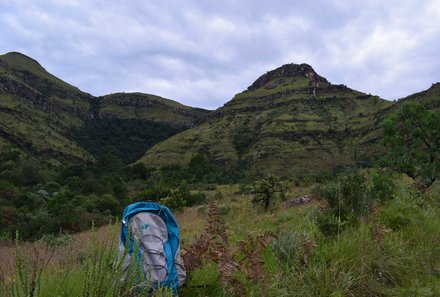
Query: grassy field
point(393, 250)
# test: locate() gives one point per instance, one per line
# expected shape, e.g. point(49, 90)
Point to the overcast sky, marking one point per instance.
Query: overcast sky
point(201, 53)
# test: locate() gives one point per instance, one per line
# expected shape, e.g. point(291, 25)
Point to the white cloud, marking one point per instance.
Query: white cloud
point(203, 52)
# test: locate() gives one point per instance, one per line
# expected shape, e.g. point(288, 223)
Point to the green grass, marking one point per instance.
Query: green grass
point(149, 107)
point(39, 112)
point(403, 262)
point(37, 131)
point(22, 63)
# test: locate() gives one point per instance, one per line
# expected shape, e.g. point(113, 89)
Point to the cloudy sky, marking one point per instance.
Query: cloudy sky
point(202, 52)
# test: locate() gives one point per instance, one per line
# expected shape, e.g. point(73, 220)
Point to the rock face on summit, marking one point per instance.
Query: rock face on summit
point(288, 70)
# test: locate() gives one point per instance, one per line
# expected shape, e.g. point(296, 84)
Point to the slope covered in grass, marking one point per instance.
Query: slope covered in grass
point(282, 124)
point(50, 120)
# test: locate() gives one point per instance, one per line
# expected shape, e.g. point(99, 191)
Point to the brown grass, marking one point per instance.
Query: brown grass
point(60, 257)
point(190, 222)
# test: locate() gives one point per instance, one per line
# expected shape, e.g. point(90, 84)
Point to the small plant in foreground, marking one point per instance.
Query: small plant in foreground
point(243, 259)
point(30, 263)
point(382, 186)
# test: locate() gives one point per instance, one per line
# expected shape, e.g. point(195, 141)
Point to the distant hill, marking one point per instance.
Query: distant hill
point(290, 121)
point(46, 118)
point(149, 107)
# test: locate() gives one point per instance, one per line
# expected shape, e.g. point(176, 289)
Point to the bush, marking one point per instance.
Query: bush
point(329, 224)
point(195, 199)
point(353, 193)
point(52, 187)
point(264, 191)
point(347, 195)
point(8, 191)
point(53, 241)
point(412, 138)
point(330, 193)
point(348, 198)
point(174, 201)
point(224, 209)
point(108, 202)
point(382, 186)
point(399, 214)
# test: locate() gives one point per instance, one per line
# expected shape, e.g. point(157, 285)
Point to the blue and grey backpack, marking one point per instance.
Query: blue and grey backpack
point(151, 230)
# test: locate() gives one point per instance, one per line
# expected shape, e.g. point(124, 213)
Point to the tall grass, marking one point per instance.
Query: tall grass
point(30, 263)
point(405, 263)
point(392, 251)
point(96, 274)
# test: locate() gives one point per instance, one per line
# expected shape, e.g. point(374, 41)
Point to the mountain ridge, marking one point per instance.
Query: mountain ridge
point(40, 114)
point(290, 120)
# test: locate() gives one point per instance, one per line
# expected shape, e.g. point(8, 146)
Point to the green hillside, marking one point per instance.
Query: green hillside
point(429, 97)
point(45, 118)
point(149, 107)
point(289, 121)
point(37, 111)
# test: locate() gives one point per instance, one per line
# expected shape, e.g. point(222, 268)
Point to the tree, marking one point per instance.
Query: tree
point(412, 136)
point(265, 189)
point(199, 166)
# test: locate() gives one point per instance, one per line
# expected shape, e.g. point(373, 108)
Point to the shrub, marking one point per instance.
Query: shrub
point(347, 199)
point(53, 241)
point(264, 191)
point(174, 201)
point(330, 193)
point(195, 199)
point(108, 202)
point(382, 186)
point(412, 138)
point(347, 195)
point(8, 191)
point(329, 224)
point(353, 193)
point(224, 209)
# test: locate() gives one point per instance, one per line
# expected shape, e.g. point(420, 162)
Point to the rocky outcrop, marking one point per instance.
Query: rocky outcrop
point(23, 91)
point(298, 201)
point(288, 70)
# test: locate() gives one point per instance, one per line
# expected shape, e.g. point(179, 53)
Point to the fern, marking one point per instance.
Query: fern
point(244, 257)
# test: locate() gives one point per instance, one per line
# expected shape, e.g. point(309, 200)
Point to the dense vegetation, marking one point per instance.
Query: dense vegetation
point(127, 139)
point(413, 137)
point(35, 199)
